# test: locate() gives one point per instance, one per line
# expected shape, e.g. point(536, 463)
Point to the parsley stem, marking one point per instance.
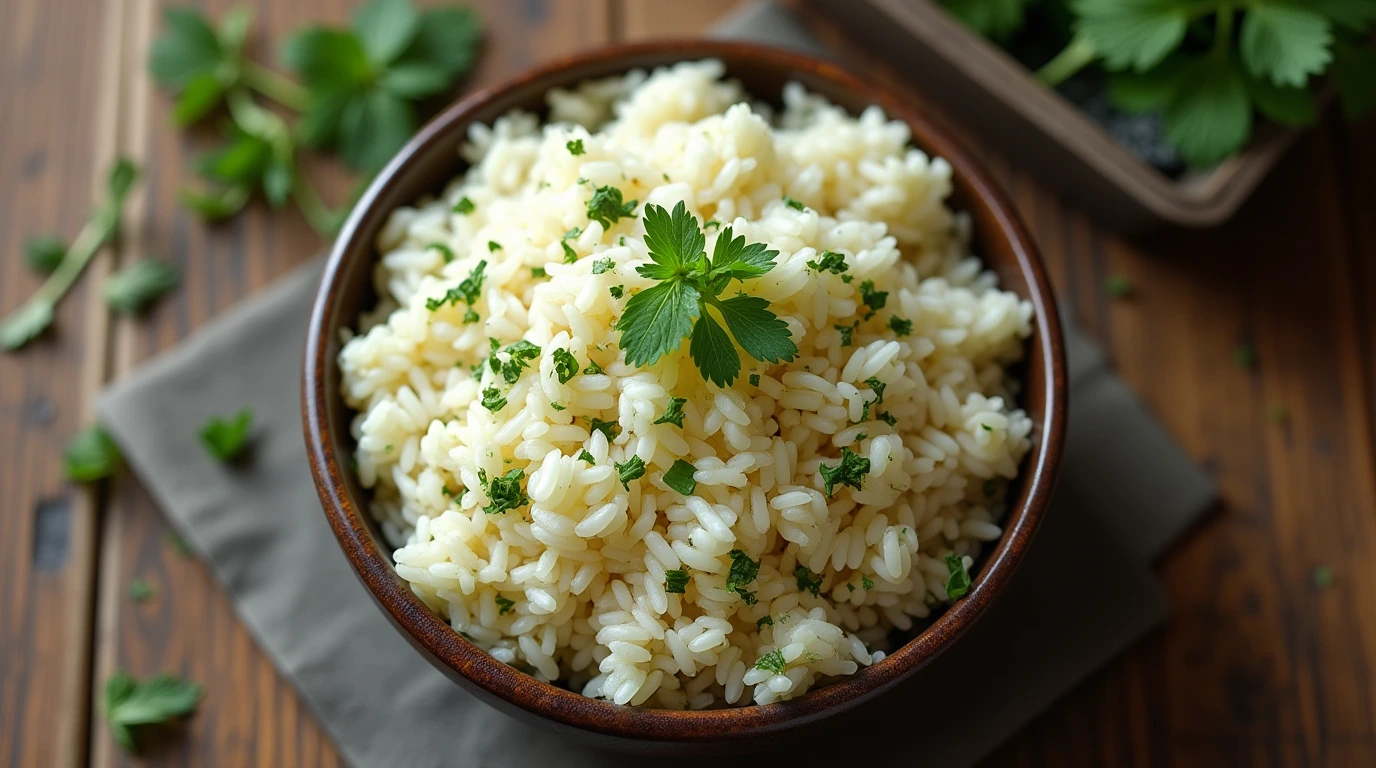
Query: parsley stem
point(84, 248)
point(274, 86)
point(1075, 57)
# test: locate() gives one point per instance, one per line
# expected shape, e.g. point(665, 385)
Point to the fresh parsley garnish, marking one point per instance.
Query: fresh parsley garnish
point(680, 477)
point(873, 299)
point(743, 571)
point(772, 661)
point(140, 591)
point(134, 287)
point(446, 252)
point(44, 253)
point(603, 265)
point(847, 333)
point(851, 471)
point(866, 582)
point(129, 704)
point(764, 621)
point(958, 583)
point(226, 439)
point(464, 206)
point(878, 387)
point(557, 406)
point(794, 204)
point(754, 379)
point(469, 290)
point(538, 273)
point(593, 368)
point(518, 359)
point(673, 413)
point(493, 399)
point(35, 315)
point(675, 581)
point(807, 580)
point(607, 207)
point(570, 255)
point(565, 365)
point(575, 147)
point(888, 418)
point(608, 428)
point(901, 326)
point(504, 605)
point(632, 469)
point(583, 455)
point(657, 319)
point(617, 291)
point(506, 492)
point(493, 246)
point(830, 261)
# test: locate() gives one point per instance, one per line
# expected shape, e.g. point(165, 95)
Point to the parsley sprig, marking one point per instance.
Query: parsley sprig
point(130, 703)
point(657, 319)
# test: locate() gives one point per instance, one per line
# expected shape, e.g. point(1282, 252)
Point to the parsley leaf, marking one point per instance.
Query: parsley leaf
point(227, 439)
point(140, 591)
point(772, 661)
point(506, 493)
point(633, 469)
point(603, 265)
point(504, 605)
point(673, 413)
point(1133, 34)
point(464, 206)
point(794, 204)
point(575, 147)
point(565, 365)
point(764, 621)
point(680, 477)
point(519, 356)
point(830, 261)
point(606, 207)
point(851, 471)
point(131, 289)
point(493, 399)
point(44, 253)
point(901, 326)
point(807, 580)
point(760, 332)
point(609, 429)
point(674, 240)
point(655, 321)
point(878, 387)
point(469, 290)
point(90, 455)
point(570, 255)
point(866, 582)
point(731, 256)
point(1284, 43)
point(617, 291)
point(743, 571)
point(713, 352)
point(1209, 117)
point(129, 703)
point(873, 299)
point(958, 583)
point(675, 581)
point(583, 455)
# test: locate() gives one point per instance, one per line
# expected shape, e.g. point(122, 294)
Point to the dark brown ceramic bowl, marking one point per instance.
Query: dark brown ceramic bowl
point(426, 163)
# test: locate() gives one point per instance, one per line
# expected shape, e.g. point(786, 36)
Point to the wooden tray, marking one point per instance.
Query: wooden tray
point(997, 97)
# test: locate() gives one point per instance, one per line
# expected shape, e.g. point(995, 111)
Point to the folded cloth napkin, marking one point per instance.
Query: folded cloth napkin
point(1082, 595)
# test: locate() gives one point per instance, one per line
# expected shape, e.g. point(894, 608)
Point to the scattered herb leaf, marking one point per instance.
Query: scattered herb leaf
point(680, 477)
point(850, 471)
point(958, 582)
point(226, 439)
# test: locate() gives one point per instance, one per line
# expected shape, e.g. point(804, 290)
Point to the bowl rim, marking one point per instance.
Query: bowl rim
point(499, 681)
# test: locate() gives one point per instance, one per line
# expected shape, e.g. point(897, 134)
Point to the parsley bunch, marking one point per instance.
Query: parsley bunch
point(358, 95)
point(657, 319)
point(1208, 66)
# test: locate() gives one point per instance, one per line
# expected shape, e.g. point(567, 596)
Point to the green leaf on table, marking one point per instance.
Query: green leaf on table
point(44, 253)
point(995, 19)
point(226, 439)
point(90, 455)
point(197, 62)
point(129, 703)
point(1209, 116)
point(1284, 43)
point(131, 289)
point(1133, 34)
point(362, 82)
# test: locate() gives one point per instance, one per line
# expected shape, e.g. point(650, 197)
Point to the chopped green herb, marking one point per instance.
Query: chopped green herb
point(621, 241)
point(656, 320)
point(861, 436)
point(603, 265)
point(493, 245)
point(794, 204)
point(673, 413)
point(446, 252)
point(866, 582)
point(227, 439)
point(519, 356)
point(617, 291)
point(847, 333)
point(606, 207)
point(608, 428)
point(754, 379)
point(830, 261)
point(1323, 576)
point(847, 278)
point(711, 224)
point(44, 253)
point(986, 428)
point(764, 621)
point(873, 299)
point(743, 571)
point(463, 207)
point(129, 704)
point(593, 368)
point(1118, 287)
point(878, 387)
point(991, 487)
point(570, 256)
point(140, 591)
point(633, 469)
point(467, 291)
point(888, 418)
point(1245, 356)
point(538, 272)
point(958, 583)
point(901, 326)
point(493, 399)
point(134, 287)
point(557, 406)
point(575, 147)
point(680, 477)
point(850, 587)
point(506, 493)
point(851, 471)
point(565, 365)
point(583, 455)
point(504, 605)
point(807, 580)
point(450, 493)
point(675, 581)
point(90, 455)
point(772, 662)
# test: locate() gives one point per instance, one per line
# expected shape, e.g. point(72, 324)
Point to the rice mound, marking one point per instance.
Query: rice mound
point(570, 587)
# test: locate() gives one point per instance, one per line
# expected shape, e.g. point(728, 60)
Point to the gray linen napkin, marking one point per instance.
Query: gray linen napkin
point(1083, 594)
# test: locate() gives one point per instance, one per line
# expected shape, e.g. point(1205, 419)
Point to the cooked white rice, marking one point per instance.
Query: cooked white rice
point(571, 587)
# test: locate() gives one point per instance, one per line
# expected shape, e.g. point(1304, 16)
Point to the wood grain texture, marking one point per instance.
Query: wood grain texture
point(1257, 666)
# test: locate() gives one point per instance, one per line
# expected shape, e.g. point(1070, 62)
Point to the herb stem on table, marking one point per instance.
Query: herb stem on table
point(1075, 57)
point(275, 86)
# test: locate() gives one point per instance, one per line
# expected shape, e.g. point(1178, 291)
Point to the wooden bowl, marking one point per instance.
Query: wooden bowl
point(431, 159)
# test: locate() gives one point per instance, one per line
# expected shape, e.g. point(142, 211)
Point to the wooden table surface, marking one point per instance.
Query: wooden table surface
point(1257, 665)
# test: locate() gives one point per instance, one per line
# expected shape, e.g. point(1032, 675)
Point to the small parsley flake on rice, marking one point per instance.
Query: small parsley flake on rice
point(639, 533)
